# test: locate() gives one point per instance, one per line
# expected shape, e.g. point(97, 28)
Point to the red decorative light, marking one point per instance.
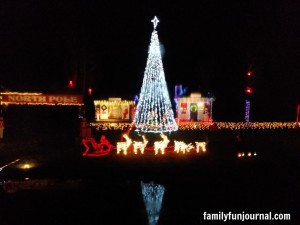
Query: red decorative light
point(92, 148)
point(90, 91)
point(71, 84)
point(249, 90)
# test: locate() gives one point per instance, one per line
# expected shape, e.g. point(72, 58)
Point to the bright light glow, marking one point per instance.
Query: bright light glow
point(154, 111)
point(90, 91)
point(249, 90)
point(155, 21)
point(249, 154)
point(26, 166)
point(71, 84)
point(152, 196)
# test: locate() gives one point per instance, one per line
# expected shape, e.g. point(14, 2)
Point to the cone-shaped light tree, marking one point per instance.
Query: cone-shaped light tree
point(154, 113)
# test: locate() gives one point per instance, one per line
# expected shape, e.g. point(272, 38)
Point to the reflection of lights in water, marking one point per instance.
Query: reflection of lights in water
point(152, 196)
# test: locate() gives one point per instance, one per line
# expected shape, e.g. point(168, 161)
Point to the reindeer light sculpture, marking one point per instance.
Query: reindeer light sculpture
point(181, 146)
point(124, 145)
point(200, 146)
point(140, 145)
point(161, 145)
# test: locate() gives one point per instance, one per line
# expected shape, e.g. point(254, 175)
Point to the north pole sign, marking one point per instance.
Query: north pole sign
point(17, 98)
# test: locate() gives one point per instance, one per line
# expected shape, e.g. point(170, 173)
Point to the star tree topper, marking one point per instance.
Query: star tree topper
point(155, 22)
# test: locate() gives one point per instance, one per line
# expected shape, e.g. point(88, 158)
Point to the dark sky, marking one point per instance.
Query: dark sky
point(208, 47)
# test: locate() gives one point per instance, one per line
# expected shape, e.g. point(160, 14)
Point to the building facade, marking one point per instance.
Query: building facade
point(194, 108)
point(114, 109)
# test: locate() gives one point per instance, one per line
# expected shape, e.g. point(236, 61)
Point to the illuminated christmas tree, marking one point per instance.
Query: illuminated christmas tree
point(154, 111)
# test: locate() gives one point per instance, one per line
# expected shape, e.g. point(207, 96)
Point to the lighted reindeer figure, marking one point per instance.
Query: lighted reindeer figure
point(124, 145)
point(161, 145)
point(140, 145)
point(200, 146)
point(181, 146)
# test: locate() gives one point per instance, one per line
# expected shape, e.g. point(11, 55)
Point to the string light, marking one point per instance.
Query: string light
point(190, 126)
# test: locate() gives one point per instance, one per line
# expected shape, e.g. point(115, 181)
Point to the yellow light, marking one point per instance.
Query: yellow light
point(206, 126)
point(26, 166)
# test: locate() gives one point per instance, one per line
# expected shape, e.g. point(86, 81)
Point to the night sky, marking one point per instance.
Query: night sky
point(207, 47)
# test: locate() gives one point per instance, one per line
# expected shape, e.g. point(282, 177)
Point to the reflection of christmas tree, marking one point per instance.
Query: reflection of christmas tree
point(152, 196)
point(154, 111)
